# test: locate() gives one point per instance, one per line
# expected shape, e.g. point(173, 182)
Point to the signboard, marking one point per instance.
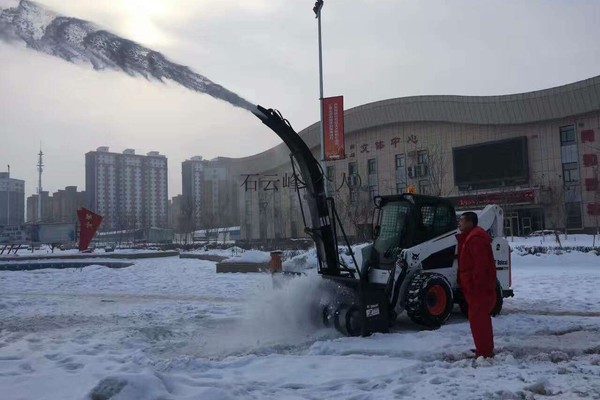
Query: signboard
point(54, 233)
point(333, 128)
point(517, 197)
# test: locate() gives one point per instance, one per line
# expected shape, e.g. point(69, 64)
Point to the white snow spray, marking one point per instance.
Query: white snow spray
point(76, 40)
point(277, 319)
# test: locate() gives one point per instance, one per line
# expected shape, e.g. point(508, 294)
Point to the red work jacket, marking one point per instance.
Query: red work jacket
point(476, 264)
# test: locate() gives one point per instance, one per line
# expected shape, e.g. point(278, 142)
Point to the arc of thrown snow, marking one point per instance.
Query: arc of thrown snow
point(73, 39)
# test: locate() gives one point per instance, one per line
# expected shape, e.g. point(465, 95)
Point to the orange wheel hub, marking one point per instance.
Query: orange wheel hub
point(436, 300)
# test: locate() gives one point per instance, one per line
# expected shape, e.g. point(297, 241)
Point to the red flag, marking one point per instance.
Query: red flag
point(89, 222)
point(333, 128)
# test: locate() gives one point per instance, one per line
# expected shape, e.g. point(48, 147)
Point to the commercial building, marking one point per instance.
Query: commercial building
point(536, 154)
point(127, 189)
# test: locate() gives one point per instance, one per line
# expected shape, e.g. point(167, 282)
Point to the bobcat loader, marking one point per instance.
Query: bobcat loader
point(411, 265)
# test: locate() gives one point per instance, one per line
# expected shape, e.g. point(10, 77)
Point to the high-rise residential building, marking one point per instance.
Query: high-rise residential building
point(61, 206)
point(12, 200)
point(192, 181)
point(209, 193)
point(156, 204)
point(65, 204)
point(176, 221)
point(127, 189)
point(32, 208)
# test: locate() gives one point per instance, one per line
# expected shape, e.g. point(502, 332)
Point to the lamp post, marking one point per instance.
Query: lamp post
point(8, 197)
point(317, 9)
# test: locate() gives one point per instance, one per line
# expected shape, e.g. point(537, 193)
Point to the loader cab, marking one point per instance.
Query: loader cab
point(404, 221)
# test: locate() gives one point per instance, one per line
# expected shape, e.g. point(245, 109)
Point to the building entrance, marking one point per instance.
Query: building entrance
point(522, 222)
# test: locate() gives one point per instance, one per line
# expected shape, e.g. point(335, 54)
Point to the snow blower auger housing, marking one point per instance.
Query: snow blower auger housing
point(410, 266)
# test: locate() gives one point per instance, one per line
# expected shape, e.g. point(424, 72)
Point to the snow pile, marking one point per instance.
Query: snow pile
point(571, 240)
point(251, 257)
point(301, 262)
point(308, 260)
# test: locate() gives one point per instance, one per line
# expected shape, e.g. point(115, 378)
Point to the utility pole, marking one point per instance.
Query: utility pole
point(317, 9)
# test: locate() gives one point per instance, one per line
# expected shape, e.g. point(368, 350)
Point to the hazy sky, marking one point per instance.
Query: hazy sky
point(266, 51)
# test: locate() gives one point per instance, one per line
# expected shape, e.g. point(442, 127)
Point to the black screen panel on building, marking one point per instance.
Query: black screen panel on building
point(492, 164)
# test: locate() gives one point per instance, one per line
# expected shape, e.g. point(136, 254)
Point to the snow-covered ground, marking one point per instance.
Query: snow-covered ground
point(172, 328)
point(571, 240)
point(45, 251)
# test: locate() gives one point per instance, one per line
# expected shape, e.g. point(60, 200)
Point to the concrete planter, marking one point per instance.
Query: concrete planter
point(206, 257)
point(242, 267)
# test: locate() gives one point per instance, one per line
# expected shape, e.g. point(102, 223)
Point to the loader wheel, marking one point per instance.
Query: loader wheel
point(429, 300)
point(499, 300)
point(464, 308)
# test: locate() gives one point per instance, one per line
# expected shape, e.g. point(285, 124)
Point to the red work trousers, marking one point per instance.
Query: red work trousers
point(480, 308)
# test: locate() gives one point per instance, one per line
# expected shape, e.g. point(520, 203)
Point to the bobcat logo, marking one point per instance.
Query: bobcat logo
point(415, 257)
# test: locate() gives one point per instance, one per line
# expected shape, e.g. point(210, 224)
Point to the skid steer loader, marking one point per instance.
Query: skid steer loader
point(410, 266)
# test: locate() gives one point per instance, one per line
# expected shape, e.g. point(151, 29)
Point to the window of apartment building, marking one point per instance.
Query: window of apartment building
point(567, 135)
point(571, 172)
point(424, 187)
point(400, 164)
point(422, 157)
point(400, 161)
point(352, 169)
point(372, 166)
point(372, 177)
point(330, 177)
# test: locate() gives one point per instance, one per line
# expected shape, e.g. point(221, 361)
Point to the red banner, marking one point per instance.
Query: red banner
point(89, 222)
point(333, 128)
point(478, 200)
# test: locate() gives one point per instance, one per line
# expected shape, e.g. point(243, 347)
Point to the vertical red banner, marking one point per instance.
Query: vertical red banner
point(89, 222)
point(333, 128)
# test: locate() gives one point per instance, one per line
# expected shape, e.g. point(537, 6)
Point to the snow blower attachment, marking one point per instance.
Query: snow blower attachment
point(411, 265)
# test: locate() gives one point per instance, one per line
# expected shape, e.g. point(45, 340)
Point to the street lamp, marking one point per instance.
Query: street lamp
point(317, 10)
point(8, 198)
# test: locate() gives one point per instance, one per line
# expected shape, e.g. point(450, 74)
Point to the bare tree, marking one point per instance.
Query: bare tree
point(438, 165)
point(187, 219)
point(355, 207)
point(554, 198)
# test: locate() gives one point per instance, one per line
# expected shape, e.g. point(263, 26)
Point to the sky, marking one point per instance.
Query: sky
point(266, 51)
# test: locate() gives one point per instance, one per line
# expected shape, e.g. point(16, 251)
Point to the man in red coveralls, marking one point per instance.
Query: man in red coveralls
point(477, 280)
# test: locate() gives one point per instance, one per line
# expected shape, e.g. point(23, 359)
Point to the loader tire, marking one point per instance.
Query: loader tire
point(429, 300)
point(499, 300)
point(464, 308)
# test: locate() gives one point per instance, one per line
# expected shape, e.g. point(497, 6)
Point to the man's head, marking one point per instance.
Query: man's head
point(467, 221)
